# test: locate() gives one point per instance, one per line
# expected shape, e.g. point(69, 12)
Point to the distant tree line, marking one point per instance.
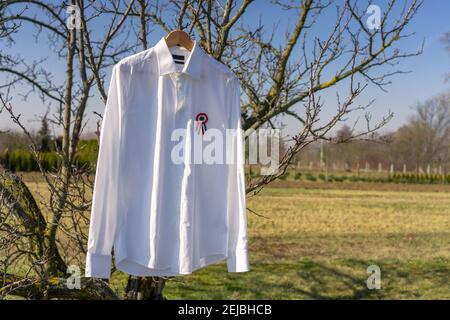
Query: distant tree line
point(421, 144)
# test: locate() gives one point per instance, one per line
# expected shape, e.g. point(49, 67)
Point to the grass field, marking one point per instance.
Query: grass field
point(317, 242)
point(318, 238)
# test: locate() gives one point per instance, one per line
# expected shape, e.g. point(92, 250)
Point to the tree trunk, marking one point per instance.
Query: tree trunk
point(145, 288)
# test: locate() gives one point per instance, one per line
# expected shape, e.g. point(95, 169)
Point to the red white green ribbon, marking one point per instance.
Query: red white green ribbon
point(202, 119)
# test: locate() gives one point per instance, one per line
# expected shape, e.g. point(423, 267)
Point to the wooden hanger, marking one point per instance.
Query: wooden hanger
point(179, 38)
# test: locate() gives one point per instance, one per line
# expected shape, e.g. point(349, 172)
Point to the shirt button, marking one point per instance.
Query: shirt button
point(180, 104)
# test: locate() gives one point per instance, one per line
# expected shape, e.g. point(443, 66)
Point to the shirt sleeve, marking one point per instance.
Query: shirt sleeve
point(105, 211)
point(237, 260)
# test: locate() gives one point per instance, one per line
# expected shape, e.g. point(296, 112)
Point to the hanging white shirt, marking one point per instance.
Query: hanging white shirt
point(166, 217)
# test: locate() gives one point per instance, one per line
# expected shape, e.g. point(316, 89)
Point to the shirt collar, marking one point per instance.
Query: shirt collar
point(166, 65)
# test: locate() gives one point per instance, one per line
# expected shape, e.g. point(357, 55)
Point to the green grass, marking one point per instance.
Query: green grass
point(318, 243)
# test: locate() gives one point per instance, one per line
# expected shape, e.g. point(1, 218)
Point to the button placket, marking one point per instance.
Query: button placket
point(179, 90)
point(179, 98)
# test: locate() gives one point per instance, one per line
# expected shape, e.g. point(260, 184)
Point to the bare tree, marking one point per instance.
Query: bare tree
point(279, 78)
point(54, 238)
point(424, 140)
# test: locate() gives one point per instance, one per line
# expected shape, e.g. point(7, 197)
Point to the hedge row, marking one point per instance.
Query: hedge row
point(23, 160)
point(395, 178)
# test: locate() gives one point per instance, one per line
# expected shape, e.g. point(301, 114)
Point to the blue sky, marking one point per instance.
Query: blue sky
point(426, 77)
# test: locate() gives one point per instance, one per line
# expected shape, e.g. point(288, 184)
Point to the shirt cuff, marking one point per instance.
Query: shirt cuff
point(98, 265)
point(238, 262)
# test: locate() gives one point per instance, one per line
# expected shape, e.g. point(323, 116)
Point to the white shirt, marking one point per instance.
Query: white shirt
point(166, 217)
